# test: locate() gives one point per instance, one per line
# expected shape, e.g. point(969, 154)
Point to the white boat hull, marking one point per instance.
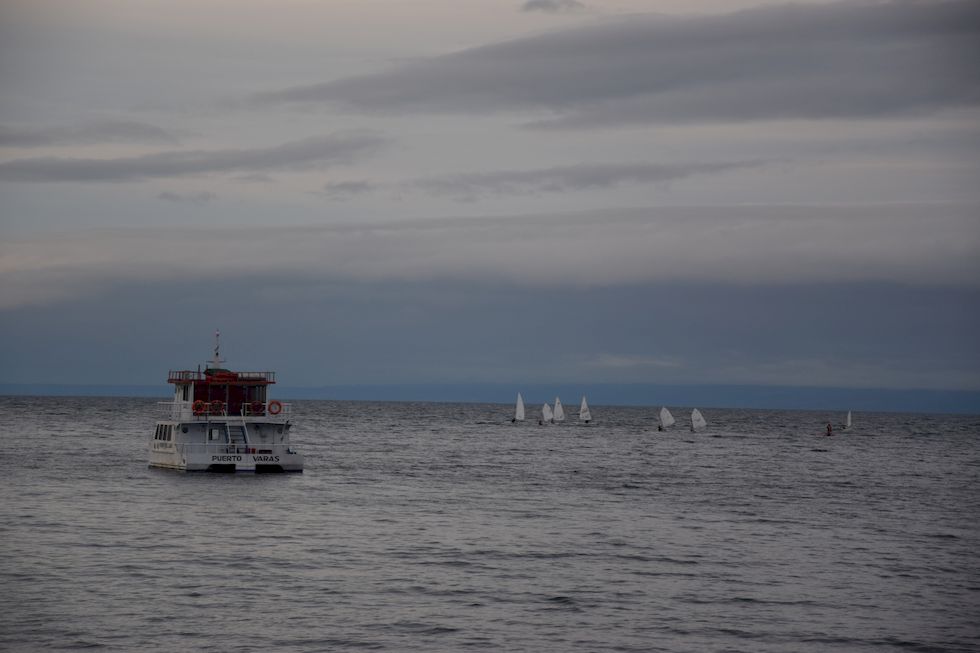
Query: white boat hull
point(223, 458)
point(224, 446)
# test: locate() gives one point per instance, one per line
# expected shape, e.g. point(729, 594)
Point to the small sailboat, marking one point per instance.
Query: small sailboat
point(559, 411)
point(847, 422)
point(546, 414)
point(584, 414)
point(519, 411)
point(666, 419)
point(697, 420)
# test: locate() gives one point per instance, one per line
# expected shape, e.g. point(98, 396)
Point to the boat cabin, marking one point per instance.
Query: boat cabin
point(217, 391)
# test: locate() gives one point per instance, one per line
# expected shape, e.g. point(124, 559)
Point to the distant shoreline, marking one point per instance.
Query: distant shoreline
point(703, 396)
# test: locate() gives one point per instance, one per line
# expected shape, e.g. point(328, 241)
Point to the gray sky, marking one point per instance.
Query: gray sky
point(359, 191)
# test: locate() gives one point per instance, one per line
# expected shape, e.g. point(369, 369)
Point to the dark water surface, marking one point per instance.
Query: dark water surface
point(440, 527)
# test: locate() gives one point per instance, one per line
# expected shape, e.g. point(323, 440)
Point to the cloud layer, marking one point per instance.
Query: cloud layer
point(913, 244)
point(842, 60)
point(471, 186)
point(107, 131)
point(566, 178)
point(200, 197)
point(324, 151)
point(552, 6)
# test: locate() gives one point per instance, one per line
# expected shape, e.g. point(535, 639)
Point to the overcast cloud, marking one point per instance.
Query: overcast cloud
point(733, 191)
point(912, 244)
point(345, 190)
point(559, 179)
point(200, 197)
point(565, 178)
point(108, 131)
point(552, 6)
point(784, 62)
point(335, 149)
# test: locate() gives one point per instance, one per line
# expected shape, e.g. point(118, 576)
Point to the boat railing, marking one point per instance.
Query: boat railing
point(202, 411)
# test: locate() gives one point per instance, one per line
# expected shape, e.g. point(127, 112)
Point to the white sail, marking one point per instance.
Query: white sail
point(546, 413)
point(583, 412)
point(666, 419)
point(519, 411)
point(697, 420)
point(559, 411)
point(847, 424)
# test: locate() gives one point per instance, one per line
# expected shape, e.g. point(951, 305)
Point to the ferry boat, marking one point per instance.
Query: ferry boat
point(223, 421)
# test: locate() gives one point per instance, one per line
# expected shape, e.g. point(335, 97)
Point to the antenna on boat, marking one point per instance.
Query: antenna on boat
point(217, 347)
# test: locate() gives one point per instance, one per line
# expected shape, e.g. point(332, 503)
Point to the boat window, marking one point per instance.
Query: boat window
point(156, 434)
point(170, 432)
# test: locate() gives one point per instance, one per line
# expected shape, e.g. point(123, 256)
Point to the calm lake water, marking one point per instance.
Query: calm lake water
point(444, 527)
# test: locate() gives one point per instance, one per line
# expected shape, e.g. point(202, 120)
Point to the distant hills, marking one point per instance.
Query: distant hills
point(633, 394)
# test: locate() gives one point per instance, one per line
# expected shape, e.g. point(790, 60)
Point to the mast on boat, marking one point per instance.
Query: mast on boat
point(217, 360)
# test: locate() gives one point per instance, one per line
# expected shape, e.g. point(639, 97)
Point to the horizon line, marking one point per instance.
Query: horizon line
point(712, 395)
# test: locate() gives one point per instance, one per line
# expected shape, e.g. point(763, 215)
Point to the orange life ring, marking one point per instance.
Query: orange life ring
point(217, 407)
point(275, 407)
point(199, 407)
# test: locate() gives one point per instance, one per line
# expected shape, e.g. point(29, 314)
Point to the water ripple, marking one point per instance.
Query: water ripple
point(430, 527)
